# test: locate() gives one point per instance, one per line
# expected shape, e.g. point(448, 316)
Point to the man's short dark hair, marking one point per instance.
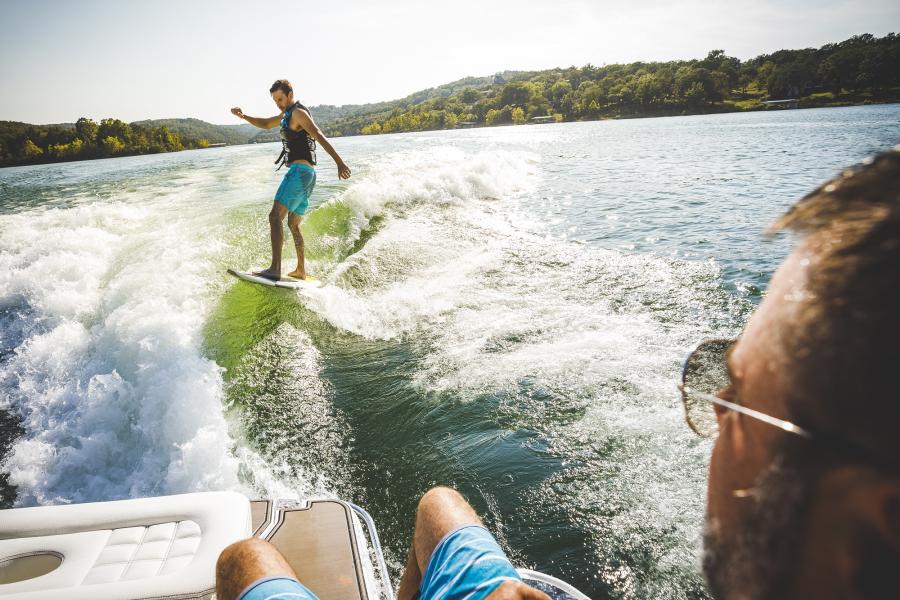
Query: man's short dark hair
point(282, 84)
point(844, 348)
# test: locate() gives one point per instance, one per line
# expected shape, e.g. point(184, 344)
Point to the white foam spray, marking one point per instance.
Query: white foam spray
point(108, 377)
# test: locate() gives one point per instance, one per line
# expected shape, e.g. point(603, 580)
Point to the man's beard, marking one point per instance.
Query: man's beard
point(757, 562)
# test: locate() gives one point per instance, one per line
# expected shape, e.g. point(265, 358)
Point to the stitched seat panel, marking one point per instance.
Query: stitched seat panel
point(126, 535)
point(104, 574)
point(120, 553)
point(141, 552)
point(176, 563)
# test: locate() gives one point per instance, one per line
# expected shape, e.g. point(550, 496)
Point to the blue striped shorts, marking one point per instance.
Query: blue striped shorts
point(296, 188)
point(467, 564)
point(276, 588)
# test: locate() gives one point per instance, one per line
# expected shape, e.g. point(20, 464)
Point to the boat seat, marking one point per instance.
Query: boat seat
point(164, 547)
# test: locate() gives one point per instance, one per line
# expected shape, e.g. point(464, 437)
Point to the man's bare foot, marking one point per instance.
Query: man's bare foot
point(269, 274)
point(298, 274)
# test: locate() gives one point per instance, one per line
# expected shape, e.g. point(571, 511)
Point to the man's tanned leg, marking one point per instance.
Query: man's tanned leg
point(246, 562)
point(440, 511)
point(294, 226)
point(276, 218)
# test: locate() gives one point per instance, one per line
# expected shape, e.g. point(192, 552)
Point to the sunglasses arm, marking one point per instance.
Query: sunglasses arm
point(780, 423)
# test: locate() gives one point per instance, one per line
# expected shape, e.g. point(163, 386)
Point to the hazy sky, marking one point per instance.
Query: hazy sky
point(135, 60)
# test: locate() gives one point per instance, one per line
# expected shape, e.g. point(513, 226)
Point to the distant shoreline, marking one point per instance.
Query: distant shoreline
point(858, 71)
point(610, 118)
point(116, 157)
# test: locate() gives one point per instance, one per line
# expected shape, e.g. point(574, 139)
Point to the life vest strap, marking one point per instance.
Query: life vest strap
point(282, 158)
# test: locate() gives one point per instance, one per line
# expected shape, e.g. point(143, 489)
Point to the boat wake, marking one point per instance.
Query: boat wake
point(102, 361)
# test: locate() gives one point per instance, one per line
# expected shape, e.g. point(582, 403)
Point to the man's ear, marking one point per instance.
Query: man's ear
point(854, 534)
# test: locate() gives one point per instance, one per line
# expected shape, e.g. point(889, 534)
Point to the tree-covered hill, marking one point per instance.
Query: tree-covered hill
point(349, 119)
point(23, 143)
point(239, 133)
point(862, 69)
point(859, 70)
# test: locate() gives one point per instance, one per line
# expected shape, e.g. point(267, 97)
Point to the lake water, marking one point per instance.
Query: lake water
point(505, 311)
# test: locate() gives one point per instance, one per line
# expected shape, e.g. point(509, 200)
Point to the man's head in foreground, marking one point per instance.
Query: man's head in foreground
point(817, 516)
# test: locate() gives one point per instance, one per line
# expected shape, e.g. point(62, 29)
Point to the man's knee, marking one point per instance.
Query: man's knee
point(246, 561)
point(239, 552)
point(442, 509)
point(275, 218)
point(439, 499)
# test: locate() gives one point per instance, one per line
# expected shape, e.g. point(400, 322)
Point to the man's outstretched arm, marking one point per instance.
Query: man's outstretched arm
point(304, 119)
point(262, 123)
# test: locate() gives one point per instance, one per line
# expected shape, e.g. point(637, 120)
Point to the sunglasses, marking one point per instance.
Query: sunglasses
point(705, 376)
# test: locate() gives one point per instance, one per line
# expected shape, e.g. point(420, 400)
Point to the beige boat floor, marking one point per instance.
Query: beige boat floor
point(259, 514)
point(319, 543)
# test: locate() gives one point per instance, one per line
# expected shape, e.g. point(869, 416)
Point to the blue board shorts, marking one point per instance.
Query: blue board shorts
point(467, 564)
point(296, 188)
point(276, 588)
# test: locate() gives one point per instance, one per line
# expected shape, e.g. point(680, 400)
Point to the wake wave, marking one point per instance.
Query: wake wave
point(103, 306)
point(437, 180)
point(422, 218)
point(107, 375)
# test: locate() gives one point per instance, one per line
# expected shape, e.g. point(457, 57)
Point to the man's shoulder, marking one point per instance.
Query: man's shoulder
point(299, 114)
point(299, 109)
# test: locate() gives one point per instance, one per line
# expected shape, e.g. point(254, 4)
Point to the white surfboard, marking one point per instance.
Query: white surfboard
point(284, 282)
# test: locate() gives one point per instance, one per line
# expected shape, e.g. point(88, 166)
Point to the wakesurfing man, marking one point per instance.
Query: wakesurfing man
point(299, 134)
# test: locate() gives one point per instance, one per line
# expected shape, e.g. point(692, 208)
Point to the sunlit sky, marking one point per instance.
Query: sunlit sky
point(138, 60)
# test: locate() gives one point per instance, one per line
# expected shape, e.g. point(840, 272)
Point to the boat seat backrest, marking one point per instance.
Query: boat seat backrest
point(163, 547)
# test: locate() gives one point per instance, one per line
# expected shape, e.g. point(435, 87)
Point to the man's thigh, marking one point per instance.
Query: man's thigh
point(440, 511)
point(467, 563)
point(279, 211)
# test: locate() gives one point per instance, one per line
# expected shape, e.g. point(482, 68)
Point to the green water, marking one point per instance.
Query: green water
point(504, 311)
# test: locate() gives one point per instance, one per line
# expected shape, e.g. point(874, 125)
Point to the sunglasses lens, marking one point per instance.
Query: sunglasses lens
point(705, 372)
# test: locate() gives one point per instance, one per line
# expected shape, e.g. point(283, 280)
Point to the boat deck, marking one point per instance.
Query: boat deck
point(319, 542)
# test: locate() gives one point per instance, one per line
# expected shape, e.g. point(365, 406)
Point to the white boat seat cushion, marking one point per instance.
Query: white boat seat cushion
point(143, 548)
point(141, 552)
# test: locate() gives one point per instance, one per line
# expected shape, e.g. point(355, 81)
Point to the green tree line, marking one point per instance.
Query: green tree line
point(861, 69)
point(21, 143)
point(195, 129)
